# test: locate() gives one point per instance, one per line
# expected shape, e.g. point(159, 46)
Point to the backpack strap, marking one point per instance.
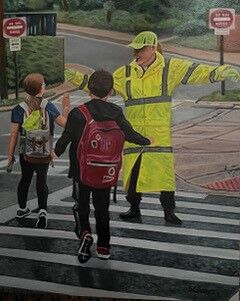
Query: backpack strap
point(45, 117)
point(25, 108)
point(83, 108)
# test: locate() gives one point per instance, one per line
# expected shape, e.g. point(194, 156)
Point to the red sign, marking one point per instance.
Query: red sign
point(222, 18)
point(14, 27)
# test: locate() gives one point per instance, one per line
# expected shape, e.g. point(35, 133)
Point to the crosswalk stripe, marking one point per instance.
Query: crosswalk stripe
point(235, 297)
point(3, 163)
point(156, 213)
point(172, 247)
point(144, 227)
point(194, 205)
point(53, 287)
point(225, 252)
point(129, 267)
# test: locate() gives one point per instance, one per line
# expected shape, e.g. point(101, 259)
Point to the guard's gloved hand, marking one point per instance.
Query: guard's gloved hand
point(231, 74)
point(69, 74)
point(74, 77)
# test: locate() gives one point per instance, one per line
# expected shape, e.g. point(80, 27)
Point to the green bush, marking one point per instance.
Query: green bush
point(192, 28)
point(41, 54)
point(92, 4)
point(120, 21)
point(154, 8)
point(36, 4)
point(169, 23)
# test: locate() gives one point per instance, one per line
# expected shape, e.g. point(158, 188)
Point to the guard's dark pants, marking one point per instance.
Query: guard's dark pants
point(134, 198)
point(28, 169)
point(101, 201)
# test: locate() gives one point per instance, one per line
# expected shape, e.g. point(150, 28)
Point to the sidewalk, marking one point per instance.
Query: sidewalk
point(125, 38)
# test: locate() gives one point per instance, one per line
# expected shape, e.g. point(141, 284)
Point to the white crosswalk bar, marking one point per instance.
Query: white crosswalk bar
point(143, 227)
point(192, 205)
point(161, 246)
point(160, 213)
point(51, 287)
point(115, 265)
point(154, 228)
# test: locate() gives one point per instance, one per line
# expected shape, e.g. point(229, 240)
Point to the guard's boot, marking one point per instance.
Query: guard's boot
point(171, 218)
point(133, 212)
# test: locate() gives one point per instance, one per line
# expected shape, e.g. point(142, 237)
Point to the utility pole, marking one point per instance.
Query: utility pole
point(3, 73)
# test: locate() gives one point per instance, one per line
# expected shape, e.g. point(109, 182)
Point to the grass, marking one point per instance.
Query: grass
point(204, 42)
point(230, 95)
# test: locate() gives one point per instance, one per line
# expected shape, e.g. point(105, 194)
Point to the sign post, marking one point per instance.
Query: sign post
point(222, 20)
point(14, 29)
point(3, 73)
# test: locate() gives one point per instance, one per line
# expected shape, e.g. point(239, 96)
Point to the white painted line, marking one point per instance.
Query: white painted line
point(150, 245)
point(194, 195)
point(235, 297)
point(3, 163)
point(51, 287)
point(115, 265)
point(144, 227)
point(192, 205)
point(160, 213)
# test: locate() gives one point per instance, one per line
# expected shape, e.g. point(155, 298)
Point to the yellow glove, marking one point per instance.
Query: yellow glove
point(74, 77)
point(231, 74)
point(69, 74)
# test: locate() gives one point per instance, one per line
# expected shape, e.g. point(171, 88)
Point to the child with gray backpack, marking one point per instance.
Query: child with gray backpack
point(34, 120)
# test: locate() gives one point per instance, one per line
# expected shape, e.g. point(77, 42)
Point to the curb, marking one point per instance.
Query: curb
point(167, 48)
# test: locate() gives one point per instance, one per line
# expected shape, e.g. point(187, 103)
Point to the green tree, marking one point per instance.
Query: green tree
point(154, 9)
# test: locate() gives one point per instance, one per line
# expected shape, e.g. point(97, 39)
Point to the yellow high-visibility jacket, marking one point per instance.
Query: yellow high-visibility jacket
point(147, 95)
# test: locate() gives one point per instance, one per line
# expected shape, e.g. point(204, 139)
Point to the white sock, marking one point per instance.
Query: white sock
point(43, 211)
point(23, 209)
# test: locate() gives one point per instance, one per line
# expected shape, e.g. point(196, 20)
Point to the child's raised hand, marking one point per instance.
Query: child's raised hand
point(66, 100)
point(66, 104)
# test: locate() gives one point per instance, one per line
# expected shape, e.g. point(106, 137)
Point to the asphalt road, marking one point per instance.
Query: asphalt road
point(107, 55)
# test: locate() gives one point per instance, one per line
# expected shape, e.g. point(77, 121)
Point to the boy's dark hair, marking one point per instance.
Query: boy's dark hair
point(100, 83)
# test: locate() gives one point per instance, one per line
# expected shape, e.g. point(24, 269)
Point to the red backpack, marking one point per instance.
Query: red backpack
point(99, 152)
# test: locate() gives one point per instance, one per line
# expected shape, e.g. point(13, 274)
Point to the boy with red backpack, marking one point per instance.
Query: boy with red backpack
point(97, 131)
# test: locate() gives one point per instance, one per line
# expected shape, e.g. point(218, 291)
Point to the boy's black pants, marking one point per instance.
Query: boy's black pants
point(134, 198)
point(101, 201)
point(28, 169)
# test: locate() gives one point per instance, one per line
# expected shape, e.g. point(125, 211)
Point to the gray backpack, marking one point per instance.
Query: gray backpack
point(37, 142)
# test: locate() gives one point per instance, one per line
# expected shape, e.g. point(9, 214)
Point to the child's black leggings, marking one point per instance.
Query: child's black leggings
point(41, 183)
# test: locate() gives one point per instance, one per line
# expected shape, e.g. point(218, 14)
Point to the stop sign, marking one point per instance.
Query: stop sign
point(221, 18)
point(14, 27)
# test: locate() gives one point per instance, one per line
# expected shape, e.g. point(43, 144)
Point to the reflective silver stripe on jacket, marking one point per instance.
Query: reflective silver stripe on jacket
point(165, 78)
point(128, 82)
point(212, 76)
point(149, 100)
point(147, 149)
point(189, 73)
point(84, 82)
